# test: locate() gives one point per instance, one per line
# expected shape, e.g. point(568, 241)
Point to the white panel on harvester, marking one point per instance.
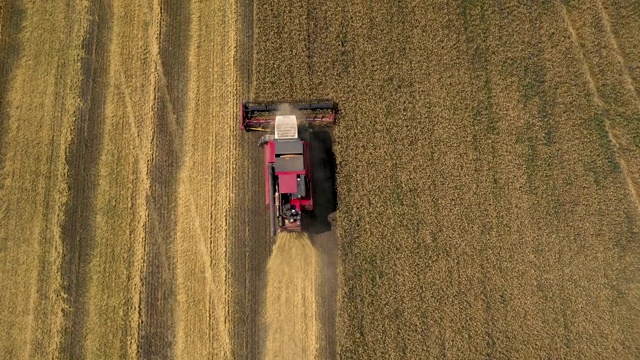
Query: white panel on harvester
point(286, 127)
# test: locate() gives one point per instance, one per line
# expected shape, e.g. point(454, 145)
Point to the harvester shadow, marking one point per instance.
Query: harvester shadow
point(323, 180)
point(320, 226)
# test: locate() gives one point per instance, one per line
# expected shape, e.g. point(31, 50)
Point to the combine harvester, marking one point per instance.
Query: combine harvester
point(287, 155)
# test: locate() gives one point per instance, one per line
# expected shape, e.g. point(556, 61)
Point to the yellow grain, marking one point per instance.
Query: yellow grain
point(292, 317)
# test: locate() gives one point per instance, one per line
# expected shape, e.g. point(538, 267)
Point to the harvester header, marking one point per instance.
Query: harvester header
point(261, 115)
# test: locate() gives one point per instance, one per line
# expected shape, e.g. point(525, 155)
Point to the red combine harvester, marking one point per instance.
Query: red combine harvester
point(287, 159)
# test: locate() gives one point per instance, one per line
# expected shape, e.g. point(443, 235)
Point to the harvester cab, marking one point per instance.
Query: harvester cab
point(287, 155)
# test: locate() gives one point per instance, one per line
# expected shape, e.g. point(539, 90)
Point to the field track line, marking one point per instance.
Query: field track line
point(131, 117)
point(598, 100)
point(162, 81)
point(618, 53)
point(136, 286)
point(632, 90)
point(139, 261)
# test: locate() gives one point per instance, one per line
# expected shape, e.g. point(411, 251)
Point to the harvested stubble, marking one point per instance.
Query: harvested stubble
point(112, 299)
point(40, 81)
point(95, 172)
point(207, 188)
point(292, 321)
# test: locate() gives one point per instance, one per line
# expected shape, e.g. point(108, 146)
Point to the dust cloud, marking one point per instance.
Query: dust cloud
point(288, 109)
point(292, 318)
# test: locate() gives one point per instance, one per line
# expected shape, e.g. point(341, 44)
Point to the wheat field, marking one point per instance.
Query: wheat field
point(488, 180)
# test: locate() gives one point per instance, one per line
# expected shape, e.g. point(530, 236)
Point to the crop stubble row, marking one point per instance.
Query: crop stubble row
point(204, 185)
point(250, 245)
point(113, 98)
point(292, 317)
point(114, 280)
point(40, 102)
point(90, 243)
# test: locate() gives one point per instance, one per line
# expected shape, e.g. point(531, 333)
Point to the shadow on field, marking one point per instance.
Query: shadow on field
point(321, 227)
point(323, 180)
point(78, 230)
point(10, 24)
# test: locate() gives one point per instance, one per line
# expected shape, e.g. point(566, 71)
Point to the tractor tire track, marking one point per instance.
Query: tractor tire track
point(628, 81)
point(78, 230)
point(632, 181)
point(595, 89)
point(158, 297)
